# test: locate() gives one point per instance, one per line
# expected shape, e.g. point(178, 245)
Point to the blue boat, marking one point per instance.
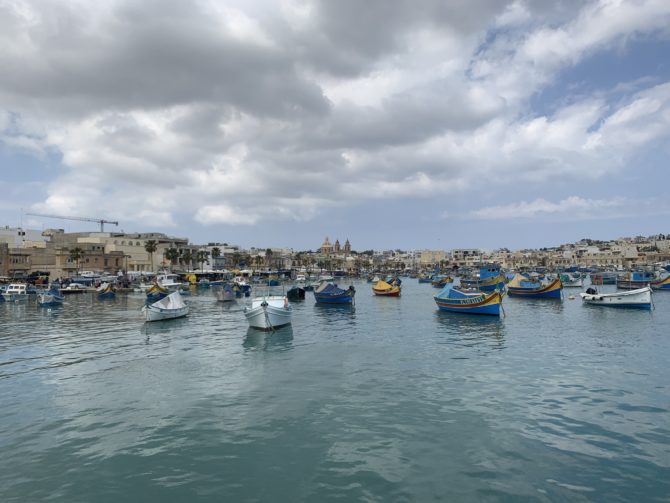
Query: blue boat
point(521, 286)
point(636, 279)
point(468, 302)
point(106, 291)
point(489, 279)
point(51, 297)
point(330, 293)
point(156, 293)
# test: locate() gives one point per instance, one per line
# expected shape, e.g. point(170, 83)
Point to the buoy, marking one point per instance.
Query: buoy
point(571, 297)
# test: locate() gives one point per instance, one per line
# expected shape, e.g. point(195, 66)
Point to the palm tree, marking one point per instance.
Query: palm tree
point(236, 259)
point(258, 260)
point(76, 254)
point(172, 254)
point(151, 246)
point(215, 253)
point(201, 258)
point(187, 258)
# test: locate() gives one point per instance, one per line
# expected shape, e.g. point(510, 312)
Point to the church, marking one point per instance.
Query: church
point(329, 249)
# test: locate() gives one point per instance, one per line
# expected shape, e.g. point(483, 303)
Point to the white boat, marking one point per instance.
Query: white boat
point(171, 282)
point(640, 298)
point(16, 292)
point(268, 313)
point(167, 308)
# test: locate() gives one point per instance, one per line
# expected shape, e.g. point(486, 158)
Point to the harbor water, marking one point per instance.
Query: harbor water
point(391, 401)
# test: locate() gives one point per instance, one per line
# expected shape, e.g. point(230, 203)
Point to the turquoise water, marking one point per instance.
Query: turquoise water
point(393, 401)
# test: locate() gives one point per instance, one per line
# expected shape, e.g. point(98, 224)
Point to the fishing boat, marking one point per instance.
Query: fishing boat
point(604, 278)
point(661, 284)
point(167, 308)
point(440, 281)
point(269, 312)
point(171, 282)
point(425, 278)
point(638, 299)
point(468, 302)
point(489, 279)
point(384, 289)
point(330, 293)
point(74, 288)
point(296, 293)
point(635, 280)
point(244, 288)
point(571, 281)
point(106, 291)
point(50, 298)
point(16, 292)
point(156, 293)
point(226, 293)
point(522, 286)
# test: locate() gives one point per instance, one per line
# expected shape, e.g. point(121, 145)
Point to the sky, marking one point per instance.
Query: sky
point(411, 124)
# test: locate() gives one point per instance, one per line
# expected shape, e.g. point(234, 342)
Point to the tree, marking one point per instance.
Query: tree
point(268, 256)
point(151, 246)
point(187, 258)
point(237, 256)
point(76, 254)
point(201, 258)
point(172, 254)
point(215, 253)
point(258, 260)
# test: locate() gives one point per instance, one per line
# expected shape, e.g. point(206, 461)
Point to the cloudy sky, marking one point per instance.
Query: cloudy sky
point(397, 124)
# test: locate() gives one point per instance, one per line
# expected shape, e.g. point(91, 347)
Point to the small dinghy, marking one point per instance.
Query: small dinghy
point(269, 313)
point(167, 308)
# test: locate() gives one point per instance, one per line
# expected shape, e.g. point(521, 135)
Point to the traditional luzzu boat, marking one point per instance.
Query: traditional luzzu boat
point(106, 291)
point(330, 293)
point(571, 281)
point(635, 280)
point(425, 278)
point(441, 280)
point(156, 293)
point(468, 302)
point(489, 279)
point(168, 308)
point(50, 298)
point(604, 278)
point(269, 312)
point(521, 286)
point(661, 284)
point(638, 299)
point(384, 289)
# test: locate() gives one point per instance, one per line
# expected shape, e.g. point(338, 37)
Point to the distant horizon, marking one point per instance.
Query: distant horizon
point(81, 227)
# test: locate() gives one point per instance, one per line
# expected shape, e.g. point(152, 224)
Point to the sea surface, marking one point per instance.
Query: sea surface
point(391, 401)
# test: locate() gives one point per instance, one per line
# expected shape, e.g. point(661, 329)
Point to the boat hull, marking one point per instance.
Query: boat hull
point(169, 308)
point(393, 292)
point(633, 299)
point(483, 304)
point(551, 291)
point(157, 314)
point(269, 314)
point(663, 284)
point(49, 300)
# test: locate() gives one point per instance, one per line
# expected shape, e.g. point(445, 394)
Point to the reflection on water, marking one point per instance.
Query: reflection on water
point(552, 402)
point(165, 327)
point(279, 340)
point(470, 330)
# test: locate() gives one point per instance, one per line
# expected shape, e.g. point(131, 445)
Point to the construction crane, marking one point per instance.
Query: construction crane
point(101, 221)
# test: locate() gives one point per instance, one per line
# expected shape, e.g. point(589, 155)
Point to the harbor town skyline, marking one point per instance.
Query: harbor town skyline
point(407, 125)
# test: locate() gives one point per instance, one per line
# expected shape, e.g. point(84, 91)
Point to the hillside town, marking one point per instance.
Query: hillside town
point(54, 253)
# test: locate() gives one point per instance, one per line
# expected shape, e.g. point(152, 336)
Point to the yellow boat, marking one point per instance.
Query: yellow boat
point(382, 288)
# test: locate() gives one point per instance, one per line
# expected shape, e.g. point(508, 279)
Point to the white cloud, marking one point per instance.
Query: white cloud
point(163, 111)
point(571, 207)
